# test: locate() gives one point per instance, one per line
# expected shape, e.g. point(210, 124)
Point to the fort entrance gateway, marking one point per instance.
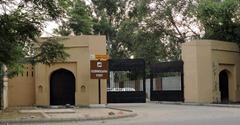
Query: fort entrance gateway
point(62, 87)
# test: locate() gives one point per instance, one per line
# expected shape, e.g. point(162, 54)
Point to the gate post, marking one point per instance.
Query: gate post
point(3, 87)
point(99, 91)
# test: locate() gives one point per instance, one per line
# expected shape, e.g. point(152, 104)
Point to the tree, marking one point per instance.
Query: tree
point(165, 24)
point(63, 30)
point(78, 19)
point(21, 24)
point(220, 19)
point(112, 17)
point(174, 23)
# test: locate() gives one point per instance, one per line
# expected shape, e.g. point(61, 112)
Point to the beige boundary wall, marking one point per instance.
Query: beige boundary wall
point(33, 86)
point(203, 61)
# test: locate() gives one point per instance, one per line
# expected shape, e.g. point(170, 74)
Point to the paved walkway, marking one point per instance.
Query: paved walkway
point(34, 114)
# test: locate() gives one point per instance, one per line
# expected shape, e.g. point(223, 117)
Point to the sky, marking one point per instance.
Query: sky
point(48, 28)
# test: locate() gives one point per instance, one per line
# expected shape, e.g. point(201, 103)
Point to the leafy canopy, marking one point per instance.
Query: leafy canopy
point(220, 19)
point(78, 19)
point(21, 23)
point(149, 29)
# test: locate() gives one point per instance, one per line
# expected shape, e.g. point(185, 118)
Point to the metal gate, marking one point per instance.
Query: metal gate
point(126, 82)
point(166, 82)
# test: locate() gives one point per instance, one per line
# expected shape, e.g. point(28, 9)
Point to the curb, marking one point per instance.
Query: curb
point(44, 120)
point(126, 110)
point(200, 104)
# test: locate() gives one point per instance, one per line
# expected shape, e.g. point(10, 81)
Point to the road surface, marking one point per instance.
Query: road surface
point(166, 114)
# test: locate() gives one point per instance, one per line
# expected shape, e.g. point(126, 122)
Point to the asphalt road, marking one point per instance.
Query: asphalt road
point(163, 114)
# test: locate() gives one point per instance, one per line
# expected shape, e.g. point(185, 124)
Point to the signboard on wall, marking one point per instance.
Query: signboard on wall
point(99, 69)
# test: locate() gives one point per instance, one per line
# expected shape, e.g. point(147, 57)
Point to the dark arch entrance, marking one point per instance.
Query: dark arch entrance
point(62, 88)
point(223, 86)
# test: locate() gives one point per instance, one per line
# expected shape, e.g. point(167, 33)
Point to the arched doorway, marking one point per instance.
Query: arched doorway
point(223, 86)
point(62, 87)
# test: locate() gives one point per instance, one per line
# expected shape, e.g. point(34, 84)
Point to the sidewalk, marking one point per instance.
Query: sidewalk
point(34, 114)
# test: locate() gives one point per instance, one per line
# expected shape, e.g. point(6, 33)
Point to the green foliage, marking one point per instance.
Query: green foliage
point(63, 30)
point(103, 27)
point(220, 19)
point(113, 10)
point(113, 18)
point(15, 69)
point(45, 9)
point(149, 47)
point(16, 30)
point(50, 51)
point(21, 23)
point(173, 22)
point(78, 19)
point(108, 16)
point(146, 29)
point(20, 26)
point(65, 4)
point(149, 29)
point(109, 6)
